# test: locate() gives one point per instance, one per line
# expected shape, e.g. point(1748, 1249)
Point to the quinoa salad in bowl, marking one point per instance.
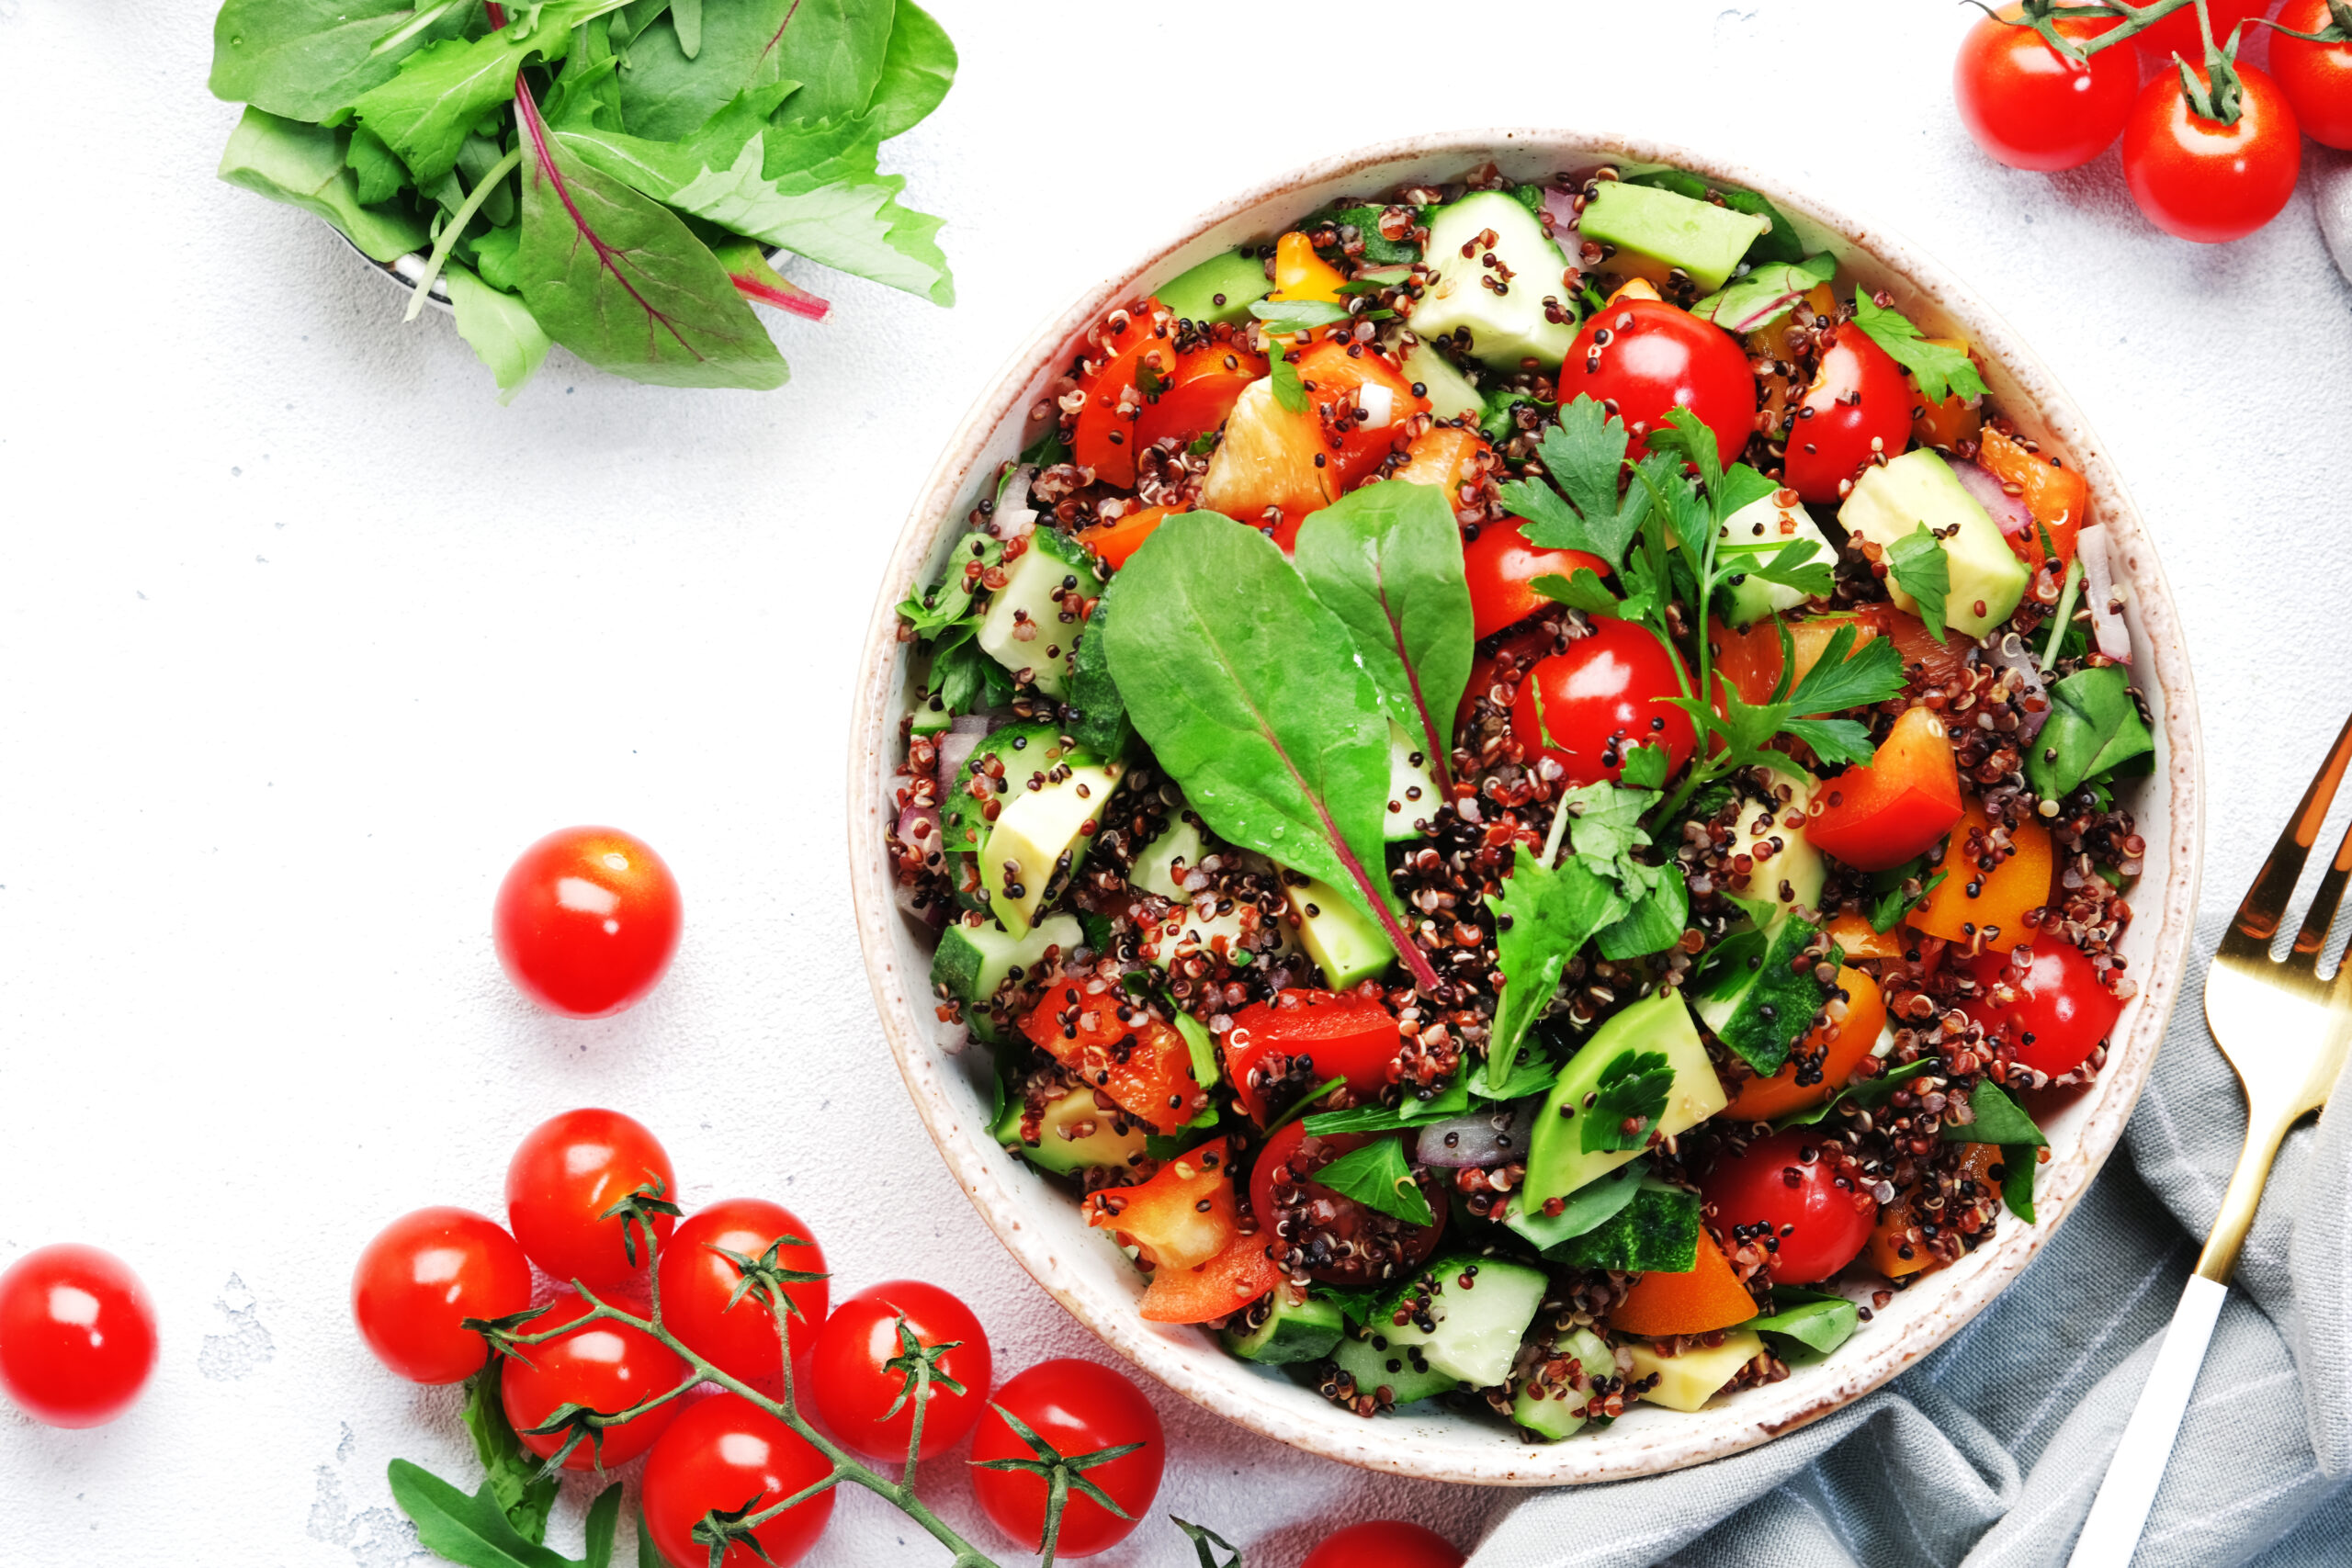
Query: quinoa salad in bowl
point(1525, 796)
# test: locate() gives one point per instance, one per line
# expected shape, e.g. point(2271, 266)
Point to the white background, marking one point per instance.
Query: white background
point(302, 638)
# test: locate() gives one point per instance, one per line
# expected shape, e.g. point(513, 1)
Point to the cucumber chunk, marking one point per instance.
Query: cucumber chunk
point(1658, 1233)
point(1748, 992)
point(1507, 328)
point(1556, 1414)
point(1449, 391)
point(1040, 597)
point(1375, 1363)
point(1117, 1142)
point(1476, 1317)
point(1290, 1331)
point(973, 962)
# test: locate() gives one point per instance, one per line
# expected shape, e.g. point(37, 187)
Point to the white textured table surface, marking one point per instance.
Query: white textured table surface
point(302, 638)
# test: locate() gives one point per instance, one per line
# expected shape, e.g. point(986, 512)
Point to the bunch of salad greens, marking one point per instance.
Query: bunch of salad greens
point(609, 175)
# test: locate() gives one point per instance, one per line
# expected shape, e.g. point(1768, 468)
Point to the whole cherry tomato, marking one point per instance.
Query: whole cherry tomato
point(1858, 406)
point(2198, 179)
point(602, 1366)
point(854, 1386)
point(1341, 1034)
point(2177, 34)
point(1806, 1212)
point(1646, 357)
point(2029, 107)
point(586, 921)
point(77, 1335)
point(1385, 1543)
point(1502, 566)
point(1080, 1409)
point(697, 1283)
point(1367, 1247)
point(2316, 77)
point(2061, 1011)
point(567, 1175)
point(727, 1453)
point(421, 1277)
point(1605, 694)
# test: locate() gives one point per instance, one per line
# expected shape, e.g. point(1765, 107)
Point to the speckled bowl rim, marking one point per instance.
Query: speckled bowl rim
point(1441, 1446)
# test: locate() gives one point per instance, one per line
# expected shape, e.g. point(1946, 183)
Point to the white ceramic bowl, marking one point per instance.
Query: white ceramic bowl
point(1081, 1267)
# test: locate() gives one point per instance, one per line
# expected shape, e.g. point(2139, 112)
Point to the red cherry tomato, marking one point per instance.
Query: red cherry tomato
point(1608, 692)
point(1345, 1035)
point(586, 921)
point(697, 1283)
point(2029, 107)
point(854, 1386)
point(1080, 1409)
point(602, 1366)
point(727, 1453)
point(2178, 34)
point(1385, 1543)
point(572, 1169)
point(423, 1277)
point(1814, 1220)
point(1502, 568)
point(77, 1335)
point(1859, 398)
point(1361, 1238)
point(1646, 357)
point(2316, 77)
point(2198, 179)
point(2061, 1011)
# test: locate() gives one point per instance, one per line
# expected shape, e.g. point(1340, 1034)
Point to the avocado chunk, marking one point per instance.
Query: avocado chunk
point(1558, 1162)
point(1221, 289)
point(1113, 1140)
point(1750, 991)
point(964, 816)
point(973, 962)
point(1412, 789)
point(1657, 1233)
point(1475, 1316)
point(1509, 328)
point(1181, 840)
point(1789, 872)
point(1687, 1382)
point(1041, 834)
point(1919, 489)
point(1043, 595)
point(1705, 241)
point(1347, 947)
point(1402, 1370)
point(1753, 536)
point(1292, 1331)
point(1561, 1413)
point(1591, 1206)
point(1448, 390)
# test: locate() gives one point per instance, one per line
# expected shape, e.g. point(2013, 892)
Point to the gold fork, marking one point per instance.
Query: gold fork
point(2285, 1032)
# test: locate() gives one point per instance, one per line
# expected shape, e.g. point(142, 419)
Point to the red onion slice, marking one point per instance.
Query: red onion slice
point(1560, 206)
point(955, 746)
point(930, 915)
point(2009, 511)
point(2104, 595)
point(1488, 1138)
point(2010, 653)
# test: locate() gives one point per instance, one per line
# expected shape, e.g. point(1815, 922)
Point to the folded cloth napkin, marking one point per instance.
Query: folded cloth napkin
point(1988, 1453)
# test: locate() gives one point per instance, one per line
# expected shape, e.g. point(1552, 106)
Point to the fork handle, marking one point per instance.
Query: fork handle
point(2111, 1534)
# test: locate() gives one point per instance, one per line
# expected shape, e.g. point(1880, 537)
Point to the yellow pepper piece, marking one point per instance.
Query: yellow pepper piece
point(1300, 274)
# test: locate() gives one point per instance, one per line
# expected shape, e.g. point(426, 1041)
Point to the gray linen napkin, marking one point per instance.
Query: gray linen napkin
point(1987, 1454)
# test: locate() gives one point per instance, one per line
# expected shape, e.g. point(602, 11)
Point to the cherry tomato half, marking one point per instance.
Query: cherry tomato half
point(1502, 568)
point(1646, 357)
point(2198, 179)
point(2061, 1011)
point(854, 1386)
point(1815, 1219)
point(2029, 107)
point(586, 921)
point(1080, 1409)
point(1606, 694)
point(77, 1335)
point(602, 1366)
point(569, 1172)
point(2316, 77)
point(1343, 1036)
point(697, 1283)
point(1859, 405)
point(421, 1277)
point(1366, 1246)
point(1385, 1543)
point(727, 1453)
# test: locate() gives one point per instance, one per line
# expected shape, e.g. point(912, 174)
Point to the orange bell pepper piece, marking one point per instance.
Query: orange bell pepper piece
point(1855, 939)
point(1113, 542)
point(2059, 498)
point(1877, 816)
point(1300, 274)
point(1887, 1248)
point(1950, 422)
point(1709, 1297)
point(1183, 1216)
point(1971, 900)
point(1224, 1285)
point(1760, 1100)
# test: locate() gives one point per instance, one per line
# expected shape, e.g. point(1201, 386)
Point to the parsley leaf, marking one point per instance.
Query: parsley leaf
point(1633, 1089)
point(1800, 564)
point(1647, 767)
point(1584, 454)
point(1916, 564)
point(1297, 315)
point(1377, 1176)
point(1834, 740)
point(1581, 592)
point(1542, 918)
point(1892, 905)
point(1289, 390)
point(1940, 371)
point(1848, 677)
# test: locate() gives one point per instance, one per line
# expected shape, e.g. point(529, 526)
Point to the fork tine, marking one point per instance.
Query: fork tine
point(2264, 906)
point(2320, 919)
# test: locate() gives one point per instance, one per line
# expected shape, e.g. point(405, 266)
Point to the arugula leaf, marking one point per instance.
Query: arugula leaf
point(379, 171)
point(500, 328)
point(1994, 1118)
point(511, 1477)
point(2094, 726)
point(1916, 564)
point(1542, 918)
point(1940, 371)
point(1377, 1176)
point(304, 166)
point(2018, 1164)
point(1297, 315)
point(1633, 1089)
point(1289, 390)
point(1754, 302)
point(1815, 1322)
point(310, 58)
point(1584, 454)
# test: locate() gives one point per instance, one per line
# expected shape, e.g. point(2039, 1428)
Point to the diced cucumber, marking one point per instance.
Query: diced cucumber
point(1754, 535)
point(1378, 251)
point(1658, 1233)
point(1025, 749)
point(973, 962)
point(1375, 1363)
point(1302, 1331)
point(1687, 1382)
point(1447, 390)
point(1705, 241)
point(1557, 1161)
point(1749, 991)
point(1561, 1413)
point(1221, 289)
point(1589, 1206)
point(1036, 598)
point(1040, 836)
point(1478, 1313)
point(1107, 1146)
point(1509, 328)
point(1347, 947)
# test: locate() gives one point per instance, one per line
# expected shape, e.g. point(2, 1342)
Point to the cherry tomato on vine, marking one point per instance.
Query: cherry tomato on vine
point(602, 1366)
point(1648, 357)
point(1815, 1220)
point(697, 1283)
point(586, 921)
point(2178, 34)
point(1859, 405)
point(854, 1386)
point(727, 1453)
point(1385, 1543)
point(2029, 107)
point(2061, 1013)
point(421, 1277)
point(2316, 77)
point(2198, 179)
point(1080, 1409)
point(567, 1173)
point(77, 1335)
point(1602, 696)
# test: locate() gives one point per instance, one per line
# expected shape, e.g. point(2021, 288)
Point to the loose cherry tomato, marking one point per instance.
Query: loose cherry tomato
point(854, 1386)
point(2177, 34)
point(1385, 1543)
point(1859, 405)
point(1502, 568)
point(697, 1283)
point(586, 921)
point(1339, 1034)
point(1645, 358)
point(2198, 179)
point(1606, 693)
point(1877, 816)
point(1080, 1409)
point(2031, 108)
point(2316, 77)
point(1806, 1213)
point(77, 1335)
point(1195, 398)
point(602, 1366)
point(423, 1277)
point(569, 1170)
point(1104, 438)
point(2059, 1012)
point(727, 1453)
point(1146, 1070)
point(1365, 1246)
